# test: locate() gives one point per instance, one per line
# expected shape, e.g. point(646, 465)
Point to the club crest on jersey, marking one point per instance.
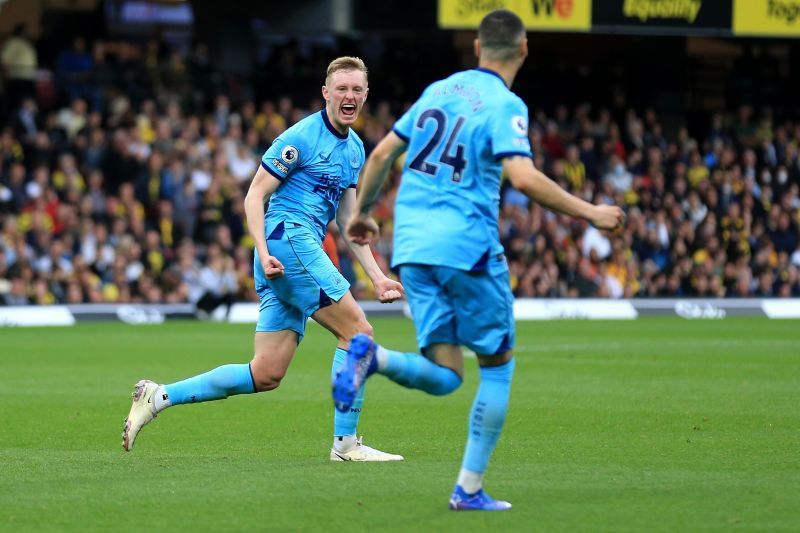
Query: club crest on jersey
point(520, 124)
point(289, 154)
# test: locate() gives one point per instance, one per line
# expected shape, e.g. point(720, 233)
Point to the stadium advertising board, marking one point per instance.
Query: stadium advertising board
point(34, 315)
point(767, 18)
point(524, 309)
point(547, 15)
point(662, 16)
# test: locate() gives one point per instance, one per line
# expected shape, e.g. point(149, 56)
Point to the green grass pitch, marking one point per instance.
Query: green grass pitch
point(655, 424)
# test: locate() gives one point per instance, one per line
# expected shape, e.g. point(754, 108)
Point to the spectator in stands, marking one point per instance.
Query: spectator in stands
point(19, 61)
point(74, 69)
point(218, 281)
point(125, 200)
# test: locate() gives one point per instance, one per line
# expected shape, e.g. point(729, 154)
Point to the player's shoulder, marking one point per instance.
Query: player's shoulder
point(508, 101)
point(461, 75)
point(516, 101)
point(302, 132)
point(308, 123)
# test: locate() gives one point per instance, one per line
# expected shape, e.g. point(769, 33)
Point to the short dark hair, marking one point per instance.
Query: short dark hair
point(500, 32)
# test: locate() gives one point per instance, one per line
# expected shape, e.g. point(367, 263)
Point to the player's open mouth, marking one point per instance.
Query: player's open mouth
point(348, 110)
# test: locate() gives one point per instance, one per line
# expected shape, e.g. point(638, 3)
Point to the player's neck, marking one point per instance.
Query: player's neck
point(330, 116)
point(506, 71)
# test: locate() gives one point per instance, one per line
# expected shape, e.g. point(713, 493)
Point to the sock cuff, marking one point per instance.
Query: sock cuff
point(252, 379)
point(506, 369)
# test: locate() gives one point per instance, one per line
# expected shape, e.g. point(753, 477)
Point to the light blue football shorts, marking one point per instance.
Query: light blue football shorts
point(309, 283)
point(470, 308)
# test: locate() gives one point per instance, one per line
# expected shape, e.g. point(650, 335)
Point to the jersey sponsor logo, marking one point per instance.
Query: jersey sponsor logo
point(289, 154)
point(520, 124)
point(329, 188)
point(280, 166)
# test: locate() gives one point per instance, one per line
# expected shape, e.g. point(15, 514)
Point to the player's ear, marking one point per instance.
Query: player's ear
point(476, 46)
point(523, 48)
point(325, 92)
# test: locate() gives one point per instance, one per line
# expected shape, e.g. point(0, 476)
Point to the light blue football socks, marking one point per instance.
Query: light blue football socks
point(223, 381)
point(414, 371)
point(488, 412)
point(486, 422)
point(346, 423)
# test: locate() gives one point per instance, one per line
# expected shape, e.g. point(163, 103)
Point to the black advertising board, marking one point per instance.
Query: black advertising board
point(666, 17)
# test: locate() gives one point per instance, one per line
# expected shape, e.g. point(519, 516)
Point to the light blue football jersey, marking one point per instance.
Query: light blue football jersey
point(315, 164)
point(448, 203)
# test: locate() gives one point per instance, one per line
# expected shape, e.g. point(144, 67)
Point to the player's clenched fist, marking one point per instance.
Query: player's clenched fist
point(607, 217)
point(388, 290)
point(272, 267)
point(362, 229)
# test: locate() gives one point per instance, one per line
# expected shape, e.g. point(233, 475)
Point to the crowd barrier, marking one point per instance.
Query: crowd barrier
point(524, 309)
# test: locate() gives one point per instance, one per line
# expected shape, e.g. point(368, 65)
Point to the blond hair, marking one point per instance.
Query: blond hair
point(345, 63)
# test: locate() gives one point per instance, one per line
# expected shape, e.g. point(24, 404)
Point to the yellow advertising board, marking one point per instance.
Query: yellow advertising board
point(547, 15)
point(771, 18)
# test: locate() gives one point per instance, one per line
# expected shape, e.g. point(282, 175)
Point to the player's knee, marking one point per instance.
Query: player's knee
point(265, 378)
point(267, 382)
point(362, 326)
point(355, 326)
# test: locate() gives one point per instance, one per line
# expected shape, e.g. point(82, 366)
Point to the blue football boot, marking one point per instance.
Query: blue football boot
point(480, 501)
point(359, 364)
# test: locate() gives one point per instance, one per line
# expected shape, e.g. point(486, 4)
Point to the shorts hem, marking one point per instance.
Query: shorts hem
point(428, 343)
point(494, 353)
point(300, 334)
point(331, 296)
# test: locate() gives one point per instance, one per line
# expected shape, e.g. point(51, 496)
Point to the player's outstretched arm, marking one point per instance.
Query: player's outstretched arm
point(361, 227)
point(525, 177)
point(263, 185)
point(387, 290)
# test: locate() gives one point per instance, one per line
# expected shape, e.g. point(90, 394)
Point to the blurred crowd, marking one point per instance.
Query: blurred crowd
point(715, 216)
point(129, 187)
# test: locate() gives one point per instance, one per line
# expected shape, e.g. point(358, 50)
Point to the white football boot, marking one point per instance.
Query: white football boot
point(360, 452)
point(143, 411)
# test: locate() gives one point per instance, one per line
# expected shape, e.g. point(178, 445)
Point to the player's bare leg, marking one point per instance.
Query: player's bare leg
point(273, 351)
